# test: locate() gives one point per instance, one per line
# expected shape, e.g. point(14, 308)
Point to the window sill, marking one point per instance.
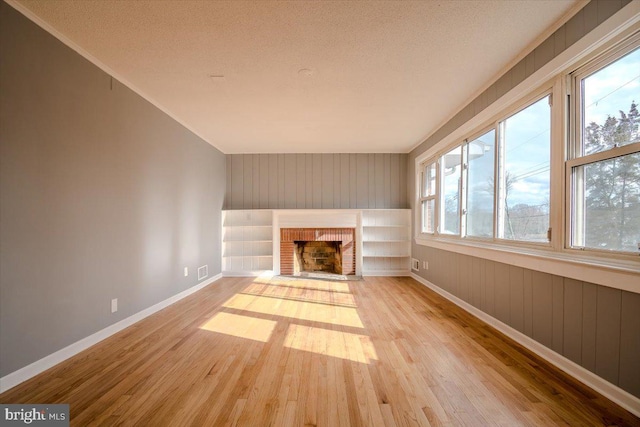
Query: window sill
point(621, 274)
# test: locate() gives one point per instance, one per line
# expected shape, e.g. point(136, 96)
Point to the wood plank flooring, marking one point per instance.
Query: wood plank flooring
point(287, 352)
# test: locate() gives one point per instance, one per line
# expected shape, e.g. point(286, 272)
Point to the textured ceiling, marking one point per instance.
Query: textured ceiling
point(304, 76)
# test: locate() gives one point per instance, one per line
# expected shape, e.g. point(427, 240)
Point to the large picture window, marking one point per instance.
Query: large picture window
point(604, 172)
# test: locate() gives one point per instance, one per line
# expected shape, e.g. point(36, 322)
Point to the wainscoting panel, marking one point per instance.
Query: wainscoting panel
point(594, 326)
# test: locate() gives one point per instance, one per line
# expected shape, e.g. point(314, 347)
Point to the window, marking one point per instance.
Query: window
point(524, 179)
point(604, 171)
point(428, 194)
point(451, 173)
point(480, 185)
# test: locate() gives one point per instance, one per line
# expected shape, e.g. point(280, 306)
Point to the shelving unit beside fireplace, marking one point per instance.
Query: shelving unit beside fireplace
point(247, 242)
point(386, 242)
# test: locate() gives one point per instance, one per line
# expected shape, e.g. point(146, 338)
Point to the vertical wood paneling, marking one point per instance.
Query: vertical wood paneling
point(464, 277)
point(281, 181)
point(608, 314)
point(518, 73)
point(527, 285)
point(404, 178)
point(590, 16)
point(477, 278)
point(255, 199)
point(345, 182)
point(589, 303)
point(386, 200)
point(516, 298)
point(264, 181)
point(353, 181)
point(574, 28)
point(378, 180)
point(362, 191)
point(301, 198)
point(543, 308)
point(558, 314)
point(559, 40)
point(573, 320)
point(606, 8)
point(371, 181)
point(316, 185)
point(318, 181)
point(502, 292)
point(337, 180)
point(247, 173)
point(290, 188)
point(630, 343)
point(543, 53)
point(273, 180)
point(228, 196)
point(326, 182)
point(309, 180)
point(237, 182)
point(489, 287)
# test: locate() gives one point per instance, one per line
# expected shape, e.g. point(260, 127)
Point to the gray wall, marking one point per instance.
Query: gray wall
point(594, 326)
point(316, 181)
point(101, 196)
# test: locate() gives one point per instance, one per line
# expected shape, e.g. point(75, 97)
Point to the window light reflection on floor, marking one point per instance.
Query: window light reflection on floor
point(251, 328)
point(302, 310)
point(344, 345)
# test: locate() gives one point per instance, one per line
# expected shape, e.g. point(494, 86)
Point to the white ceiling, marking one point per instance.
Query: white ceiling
point(304, 76)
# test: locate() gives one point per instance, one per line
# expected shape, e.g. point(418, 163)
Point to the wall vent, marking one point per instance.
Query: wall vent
point(203, 272)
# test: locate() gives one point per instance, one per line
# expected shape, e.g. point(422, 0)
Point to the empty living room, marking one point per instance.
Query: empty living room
point(320, 213)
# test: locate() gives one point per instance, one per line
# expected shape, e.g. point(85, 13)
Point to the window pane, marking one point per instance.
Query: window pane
point(612, 203)
point(525, 182)
point(451, 171)
point(609, 104)
point(429, 180)
point(481, 152)
point(428, 216)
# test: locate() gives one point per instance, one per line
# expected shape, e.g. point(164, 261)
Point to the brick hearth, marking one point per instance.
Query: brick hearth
point(344, 235)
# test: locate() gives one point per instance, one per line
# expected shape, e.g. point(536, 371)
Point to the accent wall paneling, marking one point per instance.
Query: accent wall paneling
point(316, 181)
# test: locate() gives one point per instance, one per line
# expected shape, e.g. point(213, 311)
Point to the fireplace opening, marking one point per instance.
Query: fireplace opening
point(317, 257)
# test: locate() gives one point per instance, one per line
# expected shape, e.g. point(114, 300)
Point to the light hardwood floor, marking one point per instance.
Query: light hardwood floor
point(279, 351)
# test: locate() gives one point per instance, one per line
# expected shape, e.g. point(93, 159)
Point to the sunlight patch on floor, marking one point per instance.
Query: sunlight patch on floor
point(302, 310)
point(251, 328)
point(344, 345)
point(304, 284)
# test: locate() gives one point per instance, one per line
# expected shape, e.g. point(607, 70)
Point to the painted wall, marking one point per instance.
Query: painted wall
point(101, 196)
point(592, 325)
point(316, 181)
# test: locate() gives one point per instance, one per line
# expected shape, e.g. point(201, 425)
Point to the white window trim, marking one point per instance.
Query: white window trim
point(617, 271)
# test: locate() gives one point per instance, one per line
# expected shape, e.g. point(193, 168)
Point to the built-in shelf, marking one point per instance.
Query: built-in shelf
point(386, 241)
point(247, 242)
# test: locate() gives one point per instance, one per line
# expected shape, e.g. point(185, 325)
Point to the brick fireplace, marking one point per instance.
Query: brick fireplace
point(331, 250)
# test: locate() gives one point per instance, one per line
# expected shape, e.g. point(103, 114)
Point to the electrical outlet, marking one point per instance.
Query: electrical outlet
point(114, 305)
point(186, 271)
point(415, 264)
point(425, 265)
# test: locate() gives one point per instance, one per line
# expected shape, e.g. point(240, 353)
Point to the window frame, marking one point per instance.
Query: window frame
point(576, 158)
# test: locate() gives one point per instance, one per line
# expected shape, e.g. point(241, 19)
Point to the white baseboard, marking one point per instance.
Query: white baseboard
point(386, 273)
point(623, 398)
point(13, 379)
